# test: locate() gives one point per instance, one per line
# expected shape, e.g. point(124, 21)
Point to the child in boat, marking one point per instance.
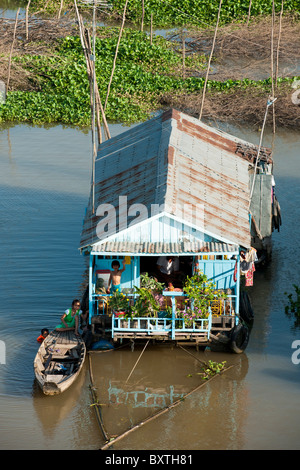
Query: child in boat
point(70, 319)
point(43, 335)
point(114, 282)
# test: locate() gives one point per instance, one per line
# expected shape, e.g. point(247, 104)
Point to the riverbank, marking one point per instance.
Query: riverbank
point(48, 80)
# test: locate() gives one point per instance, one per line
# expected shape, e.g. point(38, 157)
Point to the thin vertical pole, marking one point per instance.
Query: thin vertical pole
point(116, 53)
point(26, 19)
point(94, 103)
point(278, 44)
point(143, 15)
point(12, 48)
point(209, 61)
point(272, 59)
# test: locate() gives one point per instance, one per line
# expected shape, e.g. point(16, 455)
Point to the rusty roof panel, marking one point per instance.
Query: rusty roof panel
point(176, 160)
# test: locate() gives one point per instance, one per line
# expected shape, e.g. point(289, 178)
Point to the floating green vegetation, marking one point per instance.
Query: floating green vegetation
point(183, 12)
point(293, 306)
point(210, 369)
point(144, 73)
point(292, 309)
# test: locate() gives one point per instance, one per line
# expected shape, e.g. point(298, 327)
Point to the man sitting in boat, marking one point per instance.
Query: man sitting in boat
point(70, 319)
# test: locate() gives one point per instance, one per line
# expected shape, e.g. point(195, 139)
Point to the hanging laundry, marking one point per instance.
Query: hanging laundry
point(247, 265)
point(249, 276)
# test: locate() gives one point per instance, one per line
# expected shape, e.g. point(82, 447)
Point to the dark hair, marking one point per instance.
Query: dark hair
point(115, 263)
point(75, 301)
point(44, 329)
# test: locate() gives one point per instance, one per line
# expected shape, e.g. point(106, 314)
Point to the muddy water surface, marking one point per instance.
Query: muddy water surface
point(44, 187)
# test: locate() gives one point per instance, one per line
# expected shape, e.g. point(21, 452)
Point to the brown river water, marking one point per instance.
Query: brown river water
point(44, 188)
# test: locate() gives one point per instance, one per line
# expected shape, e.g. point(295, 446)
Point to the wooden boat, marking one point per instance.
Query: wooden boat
point(59, 361)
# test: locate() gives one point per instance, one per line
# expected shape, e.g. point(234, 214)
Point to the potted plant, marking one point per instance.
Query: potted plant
point(145, 305)
point(119, 305)
point(201, 293)
point(156, 288)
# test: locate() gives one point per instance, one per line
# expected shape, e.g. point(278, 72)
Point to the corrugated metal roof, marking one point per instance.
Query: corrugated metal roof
point(175, 160)
point(184, 248)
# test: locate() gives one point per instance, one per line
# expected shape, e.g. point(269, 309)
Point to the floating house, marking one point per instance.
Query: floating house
point(176, 187)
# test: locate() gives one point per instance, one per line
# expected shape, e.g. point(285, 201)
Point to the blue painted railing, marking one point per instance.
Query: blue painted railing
point(160, 325)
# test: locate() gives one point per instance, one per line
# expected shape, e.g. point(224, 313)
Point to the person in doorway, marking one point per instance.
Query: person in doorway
point(114, 281)
point(70, 319)
point(168, 268)
point(43, 335)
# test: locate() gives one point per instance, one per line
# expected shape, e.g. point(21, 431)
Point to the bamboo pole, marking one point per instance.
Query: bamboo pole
point(60, 8)
point(278, 43)
point(137, 361)
point(209, 61)
point(161, 412)
point(12, 48)
point(143, 15)
point(26, 19)
point(183, 54)
point(96, 403)
point(249, 12)
point(116, 54)
point(87, 51)
point(151, 29)
point(272, 61)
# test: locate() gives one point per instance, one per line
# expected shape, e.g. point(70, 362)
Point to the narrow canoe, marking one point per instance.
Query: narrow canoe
point(59, 361)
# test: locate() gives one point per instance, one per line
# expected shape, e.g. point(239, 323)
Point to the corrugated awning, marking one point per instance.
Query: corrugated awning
point(184, 248)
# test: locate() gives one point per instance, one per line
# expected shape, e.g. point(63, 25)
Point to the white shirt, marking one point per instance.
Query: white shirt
point(166, 266)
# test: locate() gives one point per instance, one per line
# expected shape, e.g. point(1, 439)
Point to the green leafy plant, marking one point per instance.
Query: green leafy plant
point(293, 305)
point(212, 368)
point(149, 282)
point(201, 293)
point(118, 302)
point(145, 304)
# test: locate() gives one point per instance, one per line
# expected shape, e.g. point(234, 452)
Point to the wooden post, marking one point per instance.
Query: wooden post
point(12, 48)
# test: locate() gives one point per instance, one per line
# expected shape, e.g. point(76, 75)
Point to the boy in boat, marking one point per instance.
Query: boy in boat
point(114, 282)
point(43, 335)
